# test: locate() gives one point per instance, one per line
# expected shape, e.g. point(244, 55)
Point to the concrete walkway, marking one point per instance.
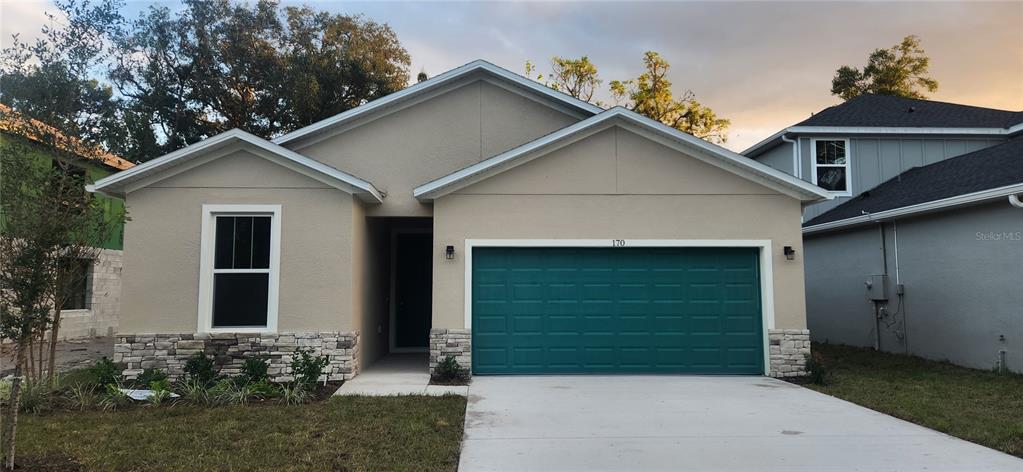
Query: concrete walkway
point(398, 374)
point(645, 423)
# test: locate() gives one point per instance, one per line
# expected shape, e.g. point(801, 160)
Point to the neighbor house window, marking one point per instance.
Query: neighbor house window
point(77, 293)
point(831, 165)
point(240, 251)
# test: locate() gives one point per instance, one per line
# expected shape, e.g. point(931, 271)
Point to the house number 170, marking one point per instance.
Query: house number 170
point(617, 243)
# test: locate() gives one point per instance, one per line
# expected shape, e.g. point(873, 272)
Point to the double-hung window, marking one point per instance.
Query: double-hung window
point(831, 165)
point(240, 268)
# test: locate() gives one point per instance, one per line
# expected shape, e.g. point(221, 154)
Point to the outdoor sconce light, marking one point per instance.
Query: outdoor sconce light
point(790, 253)
point(449, 253)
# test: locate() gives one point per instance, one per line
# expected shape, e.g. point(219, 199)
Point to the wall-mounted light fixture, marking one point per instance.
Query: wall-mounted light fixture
point(790, 254)
point(449, 253)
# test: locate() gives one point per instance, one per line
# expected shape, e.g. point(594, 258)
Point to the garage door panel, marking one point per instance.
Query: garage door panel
point(590, 310)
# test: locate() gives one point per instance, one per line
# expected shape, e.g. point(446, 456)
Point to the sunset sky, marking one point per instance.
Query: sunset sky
point(762, 65)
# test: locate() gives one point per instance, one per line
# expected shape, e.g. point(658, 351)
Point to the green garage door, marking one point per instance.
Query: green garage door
point(616, 310)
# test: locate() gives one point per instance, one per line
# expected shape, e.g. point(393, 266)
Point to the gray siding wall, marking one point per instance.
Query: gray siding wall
point(961, 272)
point(779, 157)
point(875, 159)
point(878, 159)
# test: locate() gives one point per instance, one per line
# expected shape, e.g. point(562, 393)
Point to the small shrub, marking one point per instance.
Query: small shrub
point(199, 368)
point(264, 390)
point(113, 398)
point(307, 368)
point(160, 392)
point(817, 370)
point(149, 376)
point(35, 397)
point(193, 392)
point(294, 394)
point(448, 370)
point(105, 372)
point(254, 369)
point(5, 391)
point(81, 396)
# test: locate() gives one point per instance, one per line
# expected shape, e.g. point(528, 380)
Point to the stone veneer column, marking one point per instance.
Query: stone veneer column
point(450, 342)
point(169, 352)
point(788, 350)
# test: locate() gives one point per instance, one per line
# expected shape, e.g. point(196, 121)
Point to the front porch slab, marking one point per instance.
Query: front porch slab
point(398, 374)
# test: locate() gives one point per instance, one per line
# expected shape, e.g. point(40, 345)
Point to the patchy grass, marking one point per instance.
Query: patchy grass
point(979, 406)
point(343, 433)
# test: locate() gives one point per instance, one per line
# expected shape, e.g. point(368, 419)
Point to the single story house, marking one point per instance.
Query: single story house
point(478, 215)
point(920, 249)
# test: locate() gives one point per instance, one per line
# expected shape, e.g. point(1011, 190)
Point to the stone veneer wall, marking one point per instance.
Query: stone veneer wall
point(450, 342)
point(103, 302)
point(788, 351)
point(169, 352)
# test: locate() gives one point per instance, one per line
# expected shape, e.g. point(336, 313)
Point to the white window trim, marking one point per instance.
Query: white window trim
point(764, 246)
point(848, 165)
point(206, 270)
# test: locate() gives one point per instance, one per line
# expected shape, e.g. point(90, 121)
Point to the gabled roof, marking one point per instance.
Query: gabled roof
point(35, 130)
point(872, 114)
point(696, 147)
point(475, 67)
point(993, 172)
point(900, 112)
point(119, 183)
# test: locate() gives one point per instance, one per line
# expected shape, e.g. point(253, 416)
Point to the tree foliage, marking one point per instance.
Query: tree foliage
point(53, 78)
point(649, 94)
point(218, 65)
point(900, 70)
point(169, 78)
point(575, 77)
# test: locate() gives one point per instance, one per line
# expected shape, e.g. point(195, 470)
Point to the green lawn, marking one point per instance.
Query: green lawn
point(346, 433)
point(978, 406)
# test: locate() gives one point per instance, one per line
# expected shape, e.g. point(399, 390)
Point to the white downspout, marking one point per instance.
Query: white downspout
point(1014, 199)
point(796, 167)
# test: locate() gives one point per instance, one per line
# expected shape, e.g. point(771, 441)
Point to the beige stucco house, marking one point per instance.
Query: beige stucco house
point(477, 214)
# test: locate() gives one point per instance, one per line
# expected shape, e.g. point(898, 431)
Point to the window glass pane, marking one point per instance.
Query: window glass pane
point(240, 299)
point(224, 242)
point(78, 291)
point(243, 242)
point(261, 242)
point(831, 178)
point(830, 152)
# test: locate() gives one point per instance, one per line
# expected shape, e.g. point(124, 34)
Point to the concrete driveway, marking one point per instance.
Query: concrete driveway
point(631, 423)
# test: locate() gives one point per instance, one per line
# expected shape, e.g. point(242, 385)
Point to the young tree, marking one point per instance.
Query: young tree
point(48, 223)
point(650, 95)
point(900, 70)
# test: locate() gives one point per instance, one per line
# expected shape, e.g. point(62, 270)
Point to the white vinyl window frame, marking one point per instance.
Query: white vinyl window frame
point(207, 268)
point(848, 165)
point(764, 247)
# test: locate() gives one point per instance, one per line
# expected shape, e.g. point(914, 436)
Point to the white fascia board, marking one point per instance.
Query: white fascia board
point(926, 207)
point(113, 184)
point(432, 83)
point(767, 175)
point(764, 143)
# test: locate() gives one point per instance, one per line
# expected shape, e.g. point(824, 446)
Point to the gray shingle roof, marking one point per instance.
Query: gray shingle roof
point(993, 167)
point(890, 111)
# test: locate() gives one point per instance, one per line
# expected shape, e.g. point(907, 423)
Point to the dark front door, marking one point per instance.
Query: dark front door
point(413, 290)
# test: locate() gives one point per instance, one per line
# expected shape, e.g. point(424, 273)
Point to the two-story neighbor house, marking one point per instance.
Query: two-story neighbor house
point(920, 248)
point(95, 304)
